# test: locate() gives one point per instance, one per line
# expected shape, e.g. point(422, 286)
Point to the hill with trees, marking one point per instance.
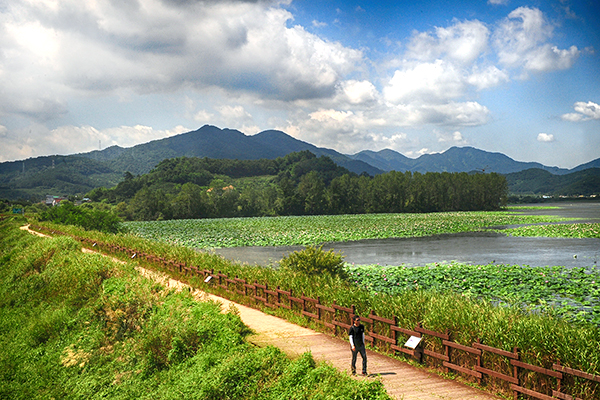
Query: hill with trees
point(298, 184)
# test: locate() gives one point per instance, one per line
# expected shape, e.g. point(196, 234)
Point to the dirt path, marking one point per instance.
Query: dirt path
point(401, 380)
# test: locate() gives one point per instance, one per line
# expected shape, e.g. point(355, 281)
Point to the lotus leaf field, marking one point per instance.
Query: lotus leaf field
point(570, 292)
point(314, 230)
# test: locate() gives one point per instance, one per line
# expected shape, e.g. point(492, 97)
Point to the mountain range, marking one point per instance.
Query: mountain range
point(82, 172)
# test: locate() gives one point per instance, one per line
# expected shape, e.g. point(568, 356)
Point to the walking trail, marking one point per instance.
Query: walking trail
point(401, 380)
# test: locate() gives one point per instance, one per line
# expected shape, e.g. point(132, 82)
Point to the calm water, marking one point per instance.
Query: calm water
point(472, 248)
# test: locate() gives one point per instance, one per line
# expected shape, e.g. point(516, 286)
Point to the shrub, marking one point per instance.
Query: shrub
point(314, 261)
point(89, 219)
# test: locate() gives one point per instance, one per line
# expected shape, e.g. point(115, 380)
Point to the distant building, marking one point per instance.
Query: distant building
point(54, 200)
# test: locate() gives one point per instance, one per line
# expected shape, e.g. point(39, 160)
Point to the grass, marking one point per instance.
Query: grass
point(80, 326)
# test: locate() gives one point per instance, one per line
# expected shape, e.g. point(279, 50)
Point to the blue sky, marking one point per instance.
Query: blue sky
point(517, 77)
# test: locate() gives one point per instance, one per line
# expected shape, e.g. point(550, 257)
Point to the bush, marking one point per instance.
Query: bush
point(314, 261)
point(89, 219)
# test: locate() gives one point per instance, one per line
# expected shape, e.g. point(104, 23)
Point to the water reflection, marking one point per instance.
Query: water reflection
point(472, 247)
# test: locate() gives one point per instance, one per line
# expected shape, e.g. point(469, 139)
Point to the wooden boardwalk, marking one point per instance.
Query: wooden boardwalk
point(401, 380)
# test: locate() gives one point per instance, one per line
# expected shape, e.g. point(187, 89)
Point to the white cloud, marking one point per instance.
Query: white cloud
point(357, 92)
point(426, 82)
point(487, 78)
point(454, 138)
point(64, 140)
point(521, 41)
point(71, 47)
point(545, 137)
point(462, 42)
point(498, 2)
point(203, 116)
point(584, 112)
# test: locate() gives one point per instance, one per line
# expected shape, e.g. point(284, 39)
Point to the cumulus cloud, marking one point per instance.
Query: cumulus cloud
point(584, 112)
point(152, 47)
point(462, 42)
point(521, 41)
point(64, 140)
point(545, 137)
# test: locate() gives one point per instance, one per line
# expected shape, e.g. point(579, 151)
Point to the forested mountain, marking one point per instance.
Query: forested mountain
point(77, 174)
point(298, 184)
point(536, 181)
point(210, 141)
point(36, 177)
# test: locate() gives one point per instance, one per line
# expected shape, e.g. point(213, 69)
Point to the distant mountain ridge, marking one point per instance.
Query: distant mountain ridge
point(72, 175)
point(455, 159)
point(212, 142)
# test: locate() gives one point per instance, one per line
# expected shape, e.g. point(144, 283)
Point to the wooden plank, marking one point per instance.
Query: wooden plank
point(498, 375)
point(383, 338)
point(315, 316)
point(495, 350)
point(563, 396)
point(424, 331)
point(295, 299)
point(531, 393)
point(258, 285)
point(327, 324)
point(341, 324)
point(461, 347)
point(325, 308)
point(274, 293)
point(341, 308)
point(309, 299)
point(439, 356)
point(464, 370)
point(283, 305)
point(535, 368)
point(576, 372)
point(263, 299)
point(410, 352)
point(381, 319)
point(406, 331)
point(286, 292)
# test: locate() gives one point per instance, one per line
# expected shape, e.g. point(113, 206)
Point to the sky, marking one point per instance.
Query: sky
point(516, 77)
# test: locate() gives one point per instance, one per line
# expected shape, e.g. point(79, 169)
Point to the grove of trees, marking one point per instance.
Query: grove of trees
point(297, 184)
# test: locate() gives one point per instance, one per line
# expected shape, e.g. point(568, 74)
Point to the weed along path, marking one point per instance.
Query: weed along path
point(401, 380)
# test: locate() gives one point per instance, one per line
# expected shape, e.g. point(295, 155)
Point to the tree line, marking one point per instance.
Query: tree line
point(297, 184)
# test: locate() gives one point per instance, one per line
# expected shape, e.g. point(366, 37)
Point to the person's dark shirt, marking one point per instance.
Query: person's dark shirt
point(357, 335)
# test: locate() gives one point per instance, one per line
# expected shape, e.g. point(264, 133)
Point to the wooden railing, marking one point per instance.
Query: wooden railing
point(506, 371)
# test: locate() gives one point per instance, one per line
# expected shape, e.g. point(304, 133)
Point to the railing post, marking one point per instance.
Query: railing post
point(516, 373)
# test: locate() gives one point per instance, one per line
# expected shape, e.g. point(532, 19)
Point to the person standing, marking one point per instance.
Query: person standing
point(356, 334)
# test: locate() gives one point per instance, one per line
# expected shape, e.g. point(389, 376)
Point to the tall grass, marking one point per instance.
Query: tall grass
point(79, 326)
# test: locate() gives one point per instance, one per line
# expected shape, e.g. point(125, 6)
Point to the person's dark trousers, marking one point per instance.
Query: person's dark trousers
point(363, 354)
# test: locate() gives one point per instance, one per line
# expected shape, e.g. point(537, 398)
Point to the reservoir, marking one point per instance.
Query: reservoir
point(470, 247)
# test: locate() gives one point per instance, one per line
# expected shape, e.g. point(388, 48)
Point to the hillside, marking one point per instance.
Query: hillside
point(210, 141)
point(536, 181)
point(77, 174)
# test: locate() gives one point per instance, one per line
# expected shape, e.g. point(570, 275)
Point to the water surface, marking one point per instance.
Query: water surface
point(471, 247)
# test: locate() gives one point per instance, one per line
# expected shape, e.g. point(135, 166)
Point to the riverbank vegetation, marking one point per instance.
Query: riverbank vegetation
point(297, 184)
point(542, 336)
point(75, 325)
